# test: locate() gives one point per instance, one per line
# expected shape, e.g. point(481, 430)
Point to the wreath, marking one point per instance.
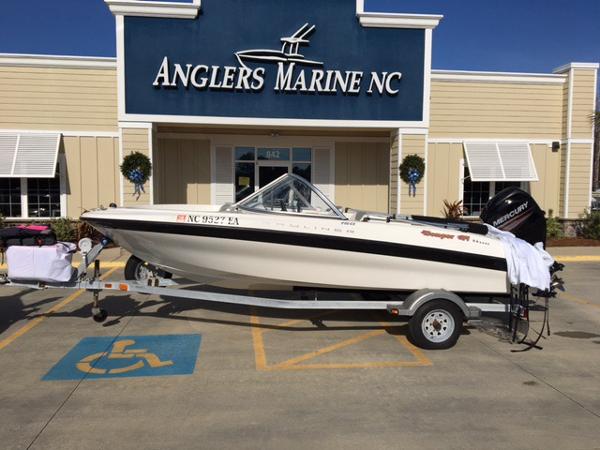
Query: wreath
point(412, 170)
point(137, 168)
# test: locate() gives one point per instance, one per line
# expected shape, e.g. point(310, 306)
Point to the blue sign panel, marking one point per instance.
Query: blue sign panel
point(128, 356)
point(292, 59)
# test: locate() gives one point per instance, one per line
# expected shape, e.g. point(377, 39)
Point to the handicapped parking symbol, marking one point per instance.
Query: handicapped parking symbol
point(118, 352)
point(128, 356)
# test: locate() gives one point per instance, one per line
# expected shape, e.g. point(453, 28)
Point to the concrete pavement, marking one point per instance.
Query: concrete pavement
point(264, 379)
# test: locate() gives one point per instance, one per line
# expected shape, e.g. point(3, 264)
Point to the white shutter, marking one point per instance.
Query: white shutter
point(517, 161)
point(322, 171)
point(484, 161)
point(500, 161)
point(28, 155)
point(8, 148)
point(223, 175)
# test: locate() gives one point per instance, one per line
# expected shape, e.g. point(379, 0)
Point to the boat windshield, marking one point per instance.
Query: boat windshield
point(290, 194)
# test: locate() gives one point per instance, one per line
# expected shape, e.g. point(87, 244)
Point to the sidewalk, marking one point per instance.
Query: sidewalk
point(575, 254)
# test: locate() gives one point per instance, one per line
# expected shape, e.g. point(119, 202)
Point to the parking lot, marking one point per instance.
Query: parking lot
point(165, 373)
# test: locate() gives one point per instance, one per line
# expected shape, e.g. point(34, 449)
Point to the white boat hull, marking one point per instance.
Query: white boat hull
point(301, 251)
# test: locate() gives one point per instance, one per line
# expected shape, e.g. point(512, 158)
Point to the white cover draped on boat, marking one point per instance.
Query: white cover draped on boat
point(526, 263)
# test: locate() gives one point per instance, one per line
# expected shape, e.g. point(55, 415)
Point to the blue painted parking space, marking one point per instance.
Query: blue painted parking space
point(128, 356)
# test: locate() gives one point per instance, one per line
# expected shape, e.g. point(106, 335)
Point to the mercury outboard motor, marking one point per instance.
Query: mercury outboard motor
point(516, 211)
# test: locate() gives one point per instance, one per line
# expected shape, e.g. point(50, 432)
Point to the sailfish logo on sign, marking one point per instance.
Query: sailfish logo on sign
point(289, 52)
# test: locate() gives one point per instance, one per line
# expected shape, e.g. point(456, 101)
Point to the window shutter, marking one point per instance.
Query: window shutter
point(28, 155)
point(517, 161)
point(8, 148)
point(223, 175)
point(484, 161)
point(500, 161)
point(322, 171)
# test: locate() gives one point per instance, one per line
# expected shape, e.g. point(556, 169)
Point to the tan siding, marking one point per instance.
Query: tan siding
point(412, 145)
point(182, 170)
point(565, 109)
point(583, 103)
point(58, 99)
point(91, 173)
point(443, 164)
point(488, 110)
point(579, 183)
point(135, 140)
point(563, 179)
point(394, 174)
point(361, 175)
point(546, 191)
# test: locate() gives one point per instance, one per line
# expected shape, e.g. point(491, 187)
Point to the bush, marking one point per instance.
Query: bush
point(554, 229)
point(86, 231)
point(590, 225)
point(454, 210)
point(64, 229)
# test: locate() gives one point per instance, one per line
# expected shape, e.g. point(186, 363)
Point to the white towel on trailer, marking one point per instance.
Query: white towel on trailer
point(526, 263)
point(50, 263)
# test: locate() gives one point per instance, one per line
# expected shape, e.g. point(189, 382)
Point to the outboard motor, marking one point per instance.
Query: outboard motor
point(516, 211)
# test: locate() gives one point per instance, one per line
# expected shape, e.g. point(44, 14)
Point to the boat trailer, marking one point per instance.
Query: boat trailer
point(435, 315)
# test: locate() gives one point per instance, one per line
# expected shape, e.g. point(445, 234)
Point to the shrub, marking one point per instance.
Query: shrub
point(453, 211)
point(64, 230)
point(86, 231)
point(590, 225)
point(554, 229)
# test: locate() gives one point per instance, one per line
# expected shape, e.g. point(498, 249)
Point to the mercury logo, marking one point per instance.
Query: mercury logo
point(511, 214)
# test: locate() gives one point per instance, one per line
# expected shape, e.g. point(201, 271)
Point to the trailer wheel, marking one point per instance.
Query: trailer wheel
point(436, 325)
point(138, 270)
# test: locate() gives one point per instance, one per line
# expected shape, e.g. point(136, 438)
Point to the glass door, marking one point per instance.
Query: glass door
point(269, 171)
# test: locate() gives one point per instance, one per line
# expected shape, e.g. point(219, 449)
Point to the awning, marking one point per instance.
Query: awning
point(500, 161)
point(28, 155)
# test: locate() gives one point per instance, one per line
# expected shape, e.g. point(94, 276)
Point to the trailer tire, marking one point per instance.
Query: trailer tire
point(138, 270)
point(436, 325)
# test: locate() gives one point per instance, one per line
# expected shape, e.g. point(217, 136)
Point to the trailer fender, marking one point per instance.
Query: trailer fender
point(417, 299)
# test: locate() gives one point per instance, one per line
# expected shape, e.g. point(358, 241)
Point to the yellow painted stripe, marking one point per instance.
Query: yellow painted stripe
point(331, 348)
point(103, 264)
point(293, 364)
point(259, 345)
point(35, 322)
point(575, 259)
point(581, 301)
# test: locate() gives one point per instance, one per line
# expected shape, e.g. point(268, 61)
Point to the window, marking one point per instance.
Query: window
point(297, 160)
point(43, 197)
point(476, 194)
point(10, 197)
point(302, 163)
point(31, 197)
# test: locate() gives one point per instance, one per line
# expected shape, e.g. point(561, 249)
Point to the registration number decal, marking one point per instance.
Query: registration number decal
point(208, 220)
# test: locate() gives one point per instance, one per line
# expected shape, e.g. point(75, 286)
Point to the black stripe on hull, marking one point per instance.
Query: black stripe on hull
point(308, 240)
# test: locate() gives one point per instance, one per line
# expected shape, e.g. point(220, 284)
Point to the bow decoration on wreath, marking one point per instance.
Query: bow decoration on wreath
point(137, 168)
point(413, 178)
point(412, 170)
point(137, 178)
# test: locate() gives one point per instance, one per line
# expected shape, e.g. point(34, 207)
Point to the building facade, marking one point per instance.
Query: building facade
point(223, 104)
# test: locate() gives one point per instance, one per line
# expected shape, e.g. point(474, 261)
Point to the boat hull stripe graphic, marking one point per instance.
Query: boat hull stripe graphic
point(309, 240)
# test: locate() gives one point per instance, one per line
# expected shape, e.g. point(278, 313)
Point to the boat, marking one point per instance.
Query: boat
point(289, 233)
point(289, 53)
